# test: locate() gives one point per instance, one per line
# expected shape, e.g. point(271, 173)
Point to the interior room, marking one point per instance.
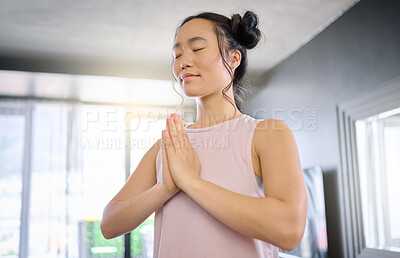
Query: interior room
point(86, 87)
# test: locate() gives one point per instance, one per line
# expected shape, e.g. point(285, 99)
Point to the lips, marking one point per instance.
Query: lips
point(188, 76)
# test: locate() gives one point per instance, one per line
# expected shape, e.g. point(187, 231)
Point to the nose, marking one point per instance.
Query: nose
point(183, 66)
point(186, 61)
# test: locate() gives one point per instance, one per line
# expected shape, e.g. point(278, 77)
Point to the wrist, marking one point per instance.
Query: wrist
point(165, 192)
point(191, 185)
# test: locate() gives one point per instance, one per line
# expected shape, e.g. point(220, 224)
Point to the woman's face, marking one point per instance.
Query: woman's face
point(196, 52)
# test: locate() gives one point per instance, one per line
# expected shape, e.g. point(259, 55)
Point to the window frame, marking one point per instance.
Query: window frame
point(23, 109)
point(384, 97)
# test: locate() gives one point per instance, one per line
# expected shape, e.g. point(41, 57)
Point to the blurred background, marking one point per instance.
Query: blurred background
point(85, 87)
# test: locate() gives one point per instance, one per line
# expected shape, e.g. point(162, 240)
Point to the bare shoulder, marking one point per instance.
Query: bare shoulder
point(272, 124)
point(273, 131)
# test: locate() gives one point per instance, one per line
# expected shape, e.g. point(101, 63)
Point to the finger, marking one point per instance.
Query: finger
point(171, 123)
point(167, 142)
point(178, 124)
point(173, 134)
point(182, 133)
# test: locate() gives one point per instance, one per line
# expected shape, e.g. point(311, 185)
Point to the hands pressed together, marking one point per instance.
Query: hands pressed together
point(180, 163)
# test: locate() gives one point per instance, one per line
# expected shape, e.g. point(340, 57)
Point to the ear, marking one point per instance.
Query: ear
point(235, 59)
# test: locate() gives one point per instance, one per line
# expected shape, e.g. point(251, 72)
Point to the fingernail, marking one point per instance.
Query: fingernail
point(171, 120)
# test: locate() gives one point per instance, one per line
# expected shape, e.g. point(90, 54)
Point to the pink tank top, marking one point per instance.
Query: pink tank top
point(182, 228)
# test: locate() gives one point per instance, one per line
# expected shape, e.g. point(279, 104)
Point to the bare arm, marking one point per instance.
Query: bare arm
point(280, 217)
point(137, 200)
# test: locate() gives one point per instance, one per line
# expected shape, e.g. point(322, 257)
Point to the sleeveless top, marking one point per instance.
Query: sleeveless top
point(181, 227)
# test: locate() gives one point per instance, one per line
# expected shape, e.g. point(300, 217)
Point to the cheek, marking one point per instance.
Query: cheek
point(219, 69)
point(212, 64)
point(213, 59)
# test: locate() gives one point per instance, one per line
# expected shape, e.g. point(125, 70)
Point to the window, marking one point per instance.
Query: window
point(114, 140)
point(103, 159)
point(63, 161)
point(12, 132)
point(378, 147)
point(38, 173)
point(369, 131)
point(55, 197)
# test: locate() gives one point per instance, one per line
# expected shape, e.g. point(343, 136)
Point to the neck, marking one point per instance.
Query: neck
point(213, 110)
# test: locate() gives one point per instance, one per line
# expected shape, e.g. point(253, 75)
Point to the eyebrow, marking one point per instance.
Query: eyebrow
point(189, 41)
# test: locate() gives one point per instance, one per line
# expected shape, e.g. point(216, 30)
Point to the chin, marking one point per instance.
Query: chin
point(190, 93)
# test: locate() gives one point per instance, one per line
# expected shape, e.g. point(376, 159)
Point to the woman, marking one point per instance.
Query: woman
point(201, 179)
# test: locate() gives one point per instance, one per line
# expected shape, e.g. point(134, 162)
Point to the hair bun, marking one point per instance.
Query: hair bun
point(245, 29)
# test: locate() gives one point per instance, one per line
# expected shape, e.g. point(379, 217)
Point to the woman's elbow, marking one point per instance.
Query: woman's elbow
point(289, 236)
point(292, 240)
point(106, 233)
point(105, 227)
point(294, 231)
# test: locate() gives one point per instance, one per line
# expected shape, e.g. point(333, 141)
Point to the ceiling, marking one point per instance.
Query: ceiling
point(133, 38)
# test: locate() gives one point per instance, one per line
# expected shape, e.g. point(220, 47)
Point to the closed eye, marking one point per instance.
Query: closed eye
point(194, 50)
